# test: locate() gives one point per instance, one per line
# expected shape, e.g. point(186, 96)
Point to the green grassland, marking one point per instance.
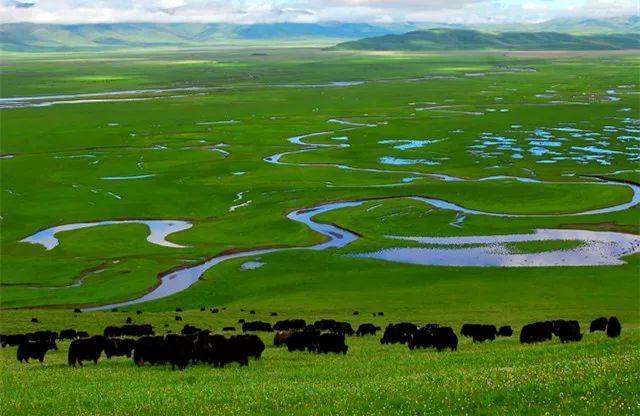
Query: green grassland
point(61, 152)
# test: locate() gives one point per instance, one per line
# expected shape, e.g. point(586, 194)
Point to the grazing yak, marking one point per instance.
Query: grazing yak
point(150, 349)
point(599, 324)
point(330, 342)
point(290, 324)
point(536, 332)
point(82, 334)
point(130, 330)
point(300, 341)
point(436, 337)
point(479, 332)
point(398, 333)
point(567, 330)
point(34, 349)
point(13, 340)
point(180, 350)
point(280, 337)
point(256, 326)
point(70, 334)
point(613, 327)
point(367, 329)
point(332, 325)
point(189, 330)
point(117, 347)
point(505, 331)
point(88, 349)
point(237, 348)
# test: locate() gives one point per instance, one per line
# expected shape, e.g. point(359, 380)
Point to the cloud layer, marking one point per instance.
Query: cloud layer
point(307, 11)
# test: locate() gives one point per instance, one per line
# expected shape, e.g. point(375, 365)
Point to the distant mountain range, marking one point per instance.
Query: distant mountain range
point(51, 37)
point(461, 39)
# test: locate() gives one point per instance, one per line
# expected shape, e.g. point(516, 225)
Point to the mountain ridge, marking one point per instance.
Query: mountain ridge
point(59, 37)
point(466, 39)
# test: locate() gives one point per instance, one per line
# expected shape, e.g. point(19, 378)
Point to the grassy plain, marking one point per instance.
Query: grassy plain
point(61, 152)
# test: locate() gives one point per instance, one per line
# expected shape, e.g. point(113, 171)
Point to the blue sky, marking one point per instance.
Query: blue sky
point(308, 11)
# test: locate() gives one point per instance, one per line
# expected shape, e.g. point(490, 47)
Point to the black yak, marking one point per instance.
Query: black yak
point(613, 327)
point(433, 336)
point(290, 324)
point(151, 349)
point(567, 331)
point(189, 330)
point(34, 349)
point(238, 349)
point(367, 329)
point(599, 324)
point(398, 333)
point(119, 347)
point(300, 341)
point(13, 340)
point(68, 334)
point(330, 342)
point(180, 350)
point(257, 326)
point(505, 331)
point(536, 332)
point(479, 332)
point(88, 349)
point(334, 326)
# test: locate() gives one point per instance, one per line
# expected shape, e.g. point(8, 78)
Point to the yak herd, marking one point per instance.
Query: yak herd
point(195, 345)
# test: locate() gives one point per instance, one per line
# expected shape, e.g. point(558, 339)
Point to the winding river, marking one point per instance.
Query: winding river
point(599, 248)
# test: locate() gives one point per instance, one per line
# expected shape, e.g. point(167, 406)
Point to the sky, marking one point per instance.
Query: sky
point(308, 11)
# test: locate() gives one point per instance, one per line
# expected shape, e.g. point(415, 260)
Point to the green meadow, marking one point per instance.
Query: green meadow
point(525, 134)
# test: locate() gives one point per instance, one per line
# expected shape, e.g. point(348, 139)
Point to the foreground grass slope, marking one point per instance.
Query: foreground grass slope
point(597, 376)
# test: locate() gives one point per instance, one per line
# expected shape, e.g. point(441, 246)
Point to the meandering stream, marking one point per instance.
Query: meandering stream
point(600, 248)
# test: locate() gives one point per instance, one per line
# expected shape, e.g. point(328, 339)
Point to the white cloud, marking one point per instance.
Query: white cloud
point(306, 11)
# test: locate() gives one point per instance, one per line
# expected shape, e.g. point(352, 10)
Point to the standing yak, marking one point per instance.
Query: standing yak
point(86, 349)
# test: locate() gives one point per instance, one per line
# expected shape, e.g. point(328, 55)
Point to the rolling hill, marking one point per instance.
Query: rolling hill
point(448, 39)
point(52, 37)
